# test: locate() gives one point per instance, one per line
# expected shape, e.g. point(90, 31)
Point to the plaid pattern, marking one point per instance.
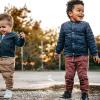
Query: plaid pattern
point(77, 64)
point(7, 66)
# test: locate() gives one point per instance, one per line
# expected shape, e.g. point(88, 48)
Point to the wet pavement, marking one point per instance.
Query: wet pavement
point(46, 95)
point(49, 94)
point(48, 86)
point(38, 80)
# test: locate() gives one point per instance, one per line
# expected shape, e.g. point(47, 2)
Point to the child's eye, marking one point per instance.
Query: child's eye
point(3, 26)
point(79, 10)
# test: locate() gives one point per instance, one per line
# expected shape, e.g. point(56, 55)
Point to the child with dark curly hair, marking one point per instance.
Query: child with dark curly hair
point(77, 40)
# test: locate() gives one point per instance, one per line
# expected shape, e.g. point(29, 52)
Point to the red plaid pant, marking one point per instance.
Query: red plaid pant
point(77, 64)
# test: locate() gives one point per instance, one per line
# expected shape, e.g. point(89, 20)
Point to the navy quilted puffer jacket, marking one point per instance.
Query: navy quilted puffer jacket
point(8, 44)
point(76, 38)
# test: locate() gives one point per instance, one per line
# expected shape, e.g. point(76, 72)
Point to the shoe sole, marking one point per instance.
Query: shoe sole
point(2, 98)
point(65, 98)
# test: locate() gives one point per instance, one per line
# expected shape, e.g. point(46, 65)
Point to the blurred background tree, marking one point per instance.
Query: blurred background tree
point(96, 66)
point(36, 40)
point(39, 48)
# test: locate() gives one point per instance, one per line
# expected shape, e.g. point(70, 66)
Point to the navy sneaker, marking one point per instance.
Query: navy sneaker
point(67, 95)
point(84, 96)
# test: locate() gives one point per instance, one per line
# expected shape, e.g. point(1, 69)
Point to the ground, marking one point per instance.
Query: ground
point(49, 94)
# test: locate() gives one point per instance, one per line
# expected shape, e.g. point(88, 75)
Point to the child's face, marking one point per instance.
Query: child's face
point(5, 27)
point(77, 13)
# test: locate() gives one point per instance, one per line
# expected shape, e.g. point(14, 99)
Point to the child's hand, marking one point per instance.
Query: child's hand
point(22, 35)
point(96, 59)
point(56, 55)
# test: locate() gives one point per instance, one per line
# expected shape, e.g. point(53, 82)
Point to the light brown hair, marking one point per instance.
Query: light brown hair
point(7, 17)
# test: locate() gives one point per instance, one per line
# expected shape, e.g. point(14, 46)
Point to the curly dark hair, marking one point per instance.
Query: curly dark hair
point(70, 5)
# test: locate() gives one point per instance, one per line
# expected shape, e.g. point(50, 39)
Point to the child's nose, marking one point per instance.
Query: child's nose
point(1, 29)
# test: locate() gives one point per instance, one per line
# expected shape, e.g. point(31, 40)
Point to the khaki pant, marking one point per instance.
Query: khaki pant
point(7, 66)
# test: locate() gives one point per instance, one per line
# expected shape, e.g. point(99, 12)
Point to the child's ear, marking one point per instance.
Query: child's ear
point(70, 13)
